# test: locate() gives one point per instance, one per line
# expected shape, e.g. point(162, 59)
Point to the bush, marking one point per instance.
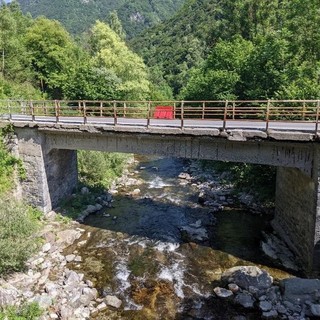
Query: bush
point(25, 312)
point(18, 224)
point(99, 169)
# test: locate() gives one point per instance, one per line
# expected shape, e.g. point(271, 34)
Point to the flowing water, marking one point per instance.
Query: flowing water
point(162, 253)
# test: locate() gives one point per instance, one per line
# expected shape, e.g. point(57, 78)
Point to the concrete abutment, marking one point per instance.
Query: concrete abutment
point(51, 174)
point(297, 218)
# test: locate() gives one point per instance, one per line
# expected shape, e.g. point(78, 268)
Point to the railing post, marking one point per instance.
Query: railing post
point(317, 116)
point(115, 113)
point(56, 105)
point(124, 109)
point(101, 107)
point(148, 114)
point(32, 111)
point(9, 111)
point(225, 115)
point(203, 108)
point(174, 110)
point(267, 115)
point(182, 114)
point(233, 110)
point(303, 110)
point(84, 112)
point(79, 107)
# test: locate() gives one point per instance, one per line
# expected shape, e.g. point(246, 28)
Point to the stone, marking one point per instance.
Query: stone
point(8, 294)
point(113, 301)
point(98, 206)
point(281, 309)
point(66, 312)
point(102, 306)
point(298, 290)
point(135, 192)
point(315, 310)
point(233, 287)
point(91, 209)
point(184, 175)
point(53, 316)
point(246, 276)
point(222, 293)
point(44, 301)
point(272, 314)
point(245, 300)
point(77, 259)
point(72, 278)
point(265, 306)
point(68, 237)
point(70, 257)
point(46, 247)
point(85, 190)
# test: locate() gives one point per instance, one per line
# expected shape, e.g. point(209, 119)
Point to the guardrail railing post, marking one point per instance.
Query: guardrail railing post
point(32, 111)
point(84, 112)
point(233, 110)
point(124, 109)
point(148, 114)
point(56, 108)
point(115, 120)
point(174, 110)
point(317, 116)
point(9, 111)
point(203, 109)
point(267, 115)
point(182, 114)
point(101, 107)
point(225, 115)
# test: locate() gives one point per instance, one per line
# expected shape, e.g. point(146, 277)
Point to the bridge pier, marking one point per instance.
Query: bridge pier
point(297, 216)
point(51, 174)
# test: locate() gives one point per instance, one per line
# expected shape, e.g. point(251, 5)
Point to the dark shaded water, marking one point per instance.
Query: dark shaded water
point(161, 252)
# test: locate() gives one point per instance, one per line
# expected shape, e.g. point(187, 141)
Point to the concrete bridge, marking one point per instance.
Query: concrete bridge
point(47, 135)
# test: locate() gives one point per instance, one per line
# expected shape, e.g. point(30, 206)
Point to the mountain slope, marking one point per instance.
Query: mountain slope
point(78, 15)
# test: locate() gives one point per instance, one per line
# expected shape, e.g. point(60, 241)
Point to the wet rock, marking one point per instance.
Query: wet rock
point(195, 233)
point(265, 306)
point(85, 190)
point(233, 287)
point(184, 175)
point(113, 301)
point(315, 310)
point(222, 293)
point(245, 300)
point(246, 276)
point(135, 192)
point(297, 290)
point(272, 314)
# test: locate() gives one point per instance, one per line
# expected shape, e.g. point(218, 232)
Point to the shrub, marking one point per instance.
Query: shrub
point(25, 312)
point(99, 169)
point(18, 224)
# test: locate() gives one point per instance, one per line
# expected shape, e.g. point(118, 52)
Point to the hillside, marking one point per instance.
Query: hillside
point(78, 15)
point(180, 42)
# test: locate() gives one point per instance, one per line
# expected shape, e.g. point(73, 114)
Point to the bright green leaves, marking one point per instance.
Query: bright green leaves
point(111, 53)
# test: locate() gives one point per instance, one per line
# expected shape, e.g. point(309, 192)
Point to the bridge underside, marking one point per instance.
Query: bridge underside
point(50, 161)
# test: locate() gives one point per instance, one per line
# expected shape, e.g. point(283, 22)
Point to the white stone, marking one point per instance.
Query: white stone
point(46, 247)
point(70, 257)
point(113, 301)
point(102, 306)
point(222, 293)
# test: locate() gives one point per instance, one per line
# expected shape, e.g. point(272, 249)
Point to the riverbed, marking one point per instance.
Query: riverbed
point(161, 252)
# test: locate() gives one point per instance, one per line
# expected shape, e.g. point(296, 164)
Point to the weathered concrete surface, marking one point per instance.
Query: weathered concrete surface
point(297, 214)
point(51, 174)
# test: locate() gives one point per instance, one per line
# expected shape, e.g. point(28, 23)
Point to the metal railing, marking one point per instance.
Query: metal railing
point(266, 111)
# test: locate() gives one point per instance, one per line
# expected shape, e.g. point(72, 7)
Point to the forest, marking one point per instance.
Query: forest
point(209, 49)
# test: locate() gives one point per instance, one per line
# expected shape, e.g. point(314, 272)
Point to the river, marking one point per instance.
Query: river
point(162, 253)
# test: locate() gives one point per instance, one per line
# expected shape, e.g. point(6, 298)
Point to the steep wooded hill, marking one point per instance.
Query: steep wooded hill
point(78, 15)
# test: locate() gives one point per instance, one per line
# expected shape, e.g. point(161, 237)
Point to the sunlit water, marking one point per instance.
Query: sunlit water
point(139, 250)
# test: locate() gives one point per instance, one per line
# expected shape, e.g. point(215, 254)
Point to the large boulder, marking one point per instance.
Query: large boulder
point(248, 276)
point(297, 290)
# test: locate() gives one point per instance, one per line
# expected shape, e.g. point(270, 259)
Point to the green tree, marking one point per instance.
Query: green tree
point(111, 53)
point(52, 55)
point(116, 26)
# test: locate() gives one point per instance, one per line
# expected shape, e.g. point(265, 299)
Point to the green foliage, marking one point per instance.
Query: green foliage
point(26, 311)
point(99, 169)
point(17, 226)
point(111, 52)
point(79, 16)
point(256, 179)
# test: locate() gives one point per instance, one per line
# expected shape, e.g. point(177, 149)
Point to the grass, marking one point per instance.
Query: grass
point(30, 311)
